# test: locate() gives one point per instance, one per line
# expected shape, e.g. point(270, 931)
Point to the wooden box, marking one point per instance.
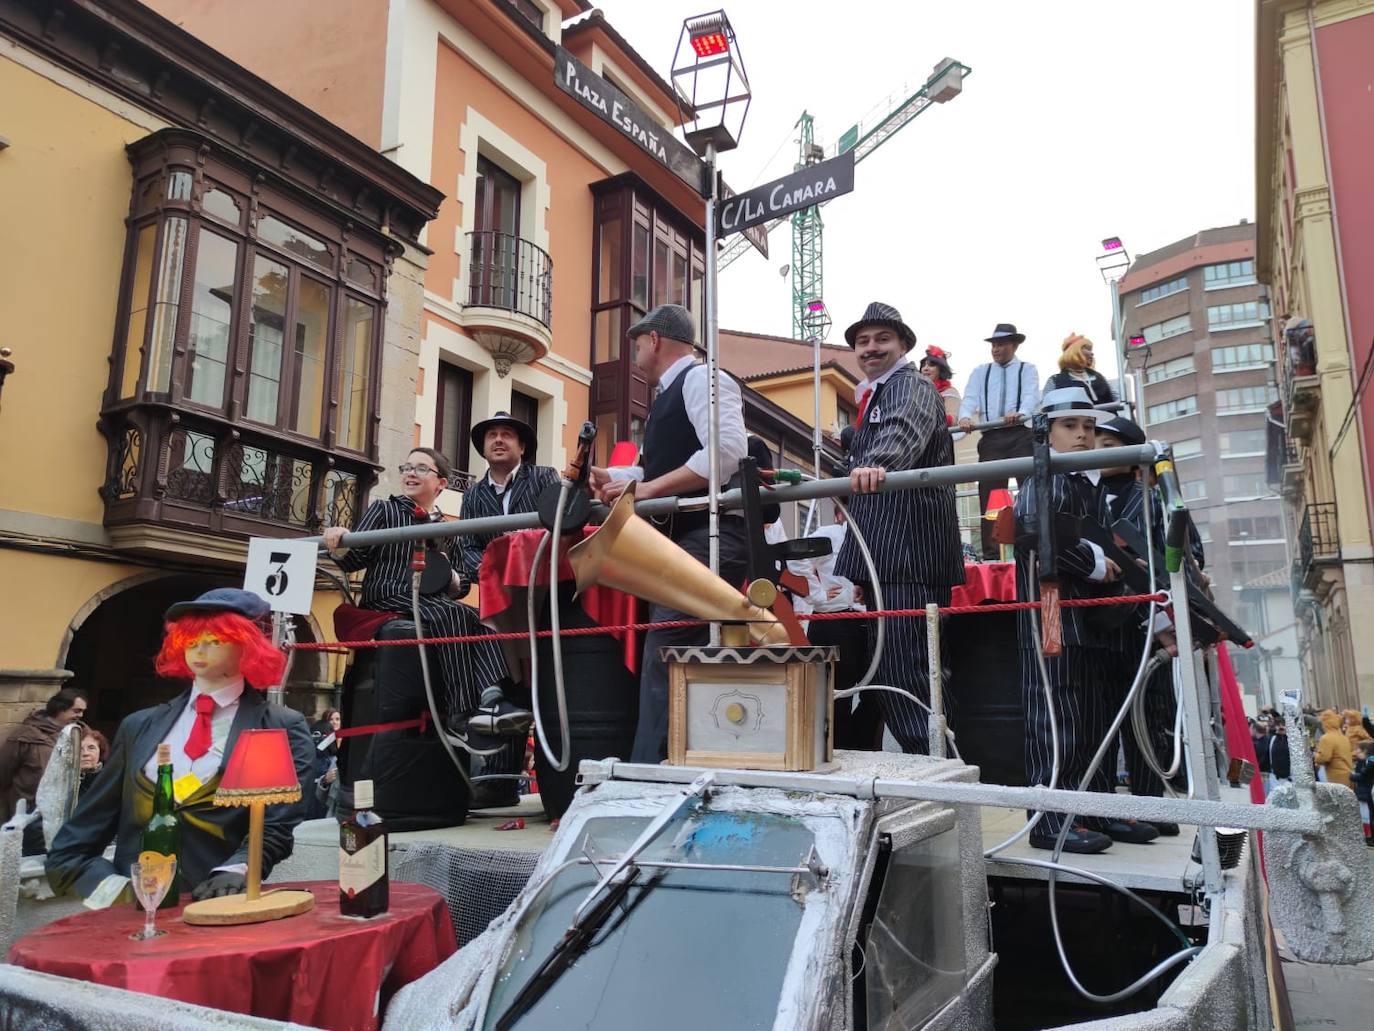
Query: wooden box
point(766, 708)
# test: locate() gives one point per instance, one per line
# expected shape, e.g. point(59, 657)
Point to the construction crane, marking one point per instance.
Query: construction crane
point(944, 84)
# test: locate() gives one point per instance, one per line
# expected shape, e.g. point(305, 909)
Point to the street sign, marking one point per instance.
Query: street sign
point(282, 573)
point(616, 109)
point(756, 235)
point(814, 184)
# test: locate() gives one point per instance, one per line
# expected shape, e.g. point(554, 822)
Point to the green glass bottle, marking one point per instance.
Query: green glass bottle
point(161, 835)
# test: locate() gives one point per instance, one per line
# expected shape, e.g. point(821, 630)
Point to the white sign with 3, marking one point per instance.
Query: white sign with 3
point(282, 572)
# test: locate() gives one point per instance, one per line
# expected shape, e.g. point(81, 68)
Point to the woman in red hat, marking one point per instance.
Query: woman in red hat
point(935, 367)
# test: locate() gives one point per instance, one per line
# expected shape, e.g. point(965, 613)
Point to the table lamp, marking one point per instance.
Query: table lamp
point(997, 501)
point(260, 772)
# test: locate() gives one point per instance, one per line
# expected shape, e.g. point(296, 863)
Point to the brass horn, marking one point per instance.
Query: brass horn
point(628, 554)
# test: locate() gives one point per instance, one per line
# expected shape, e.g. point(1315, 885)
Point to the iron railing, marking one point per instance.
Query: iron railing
point(507, 272)
point(1318, 536)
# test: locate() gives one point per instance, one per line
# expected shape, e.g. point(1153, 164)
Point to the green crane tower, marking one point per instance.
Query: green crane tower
point(944, 84)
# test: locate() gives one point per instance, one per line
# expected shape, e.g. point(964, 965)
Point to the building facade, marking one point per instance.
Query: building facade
point(1314, 148)
point(1204, 354)
point(212, 296)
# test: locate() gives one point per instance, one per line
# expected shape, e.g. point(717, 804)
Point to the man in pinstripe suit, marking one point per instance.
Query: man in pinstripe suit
point(511, 485)
point(913, 535)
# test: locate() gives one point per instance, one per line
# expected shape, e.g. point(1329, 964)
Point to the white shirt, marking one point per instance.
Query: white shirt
point(226, 708)
point(695, 397)
point(1001, 383)
point(866, 384)
point(503, 490)
point(820, 576)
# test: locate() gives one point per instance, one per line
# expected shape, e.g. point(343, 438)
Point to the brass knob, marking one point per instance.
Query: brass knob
point(734, 712)
point(763, 593)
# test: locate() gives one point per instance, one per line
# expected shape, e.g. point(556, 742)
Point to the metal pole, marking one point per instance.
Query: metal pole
point(816, 388)
point(936, 719)
point(1117, 342)
point(713, 375)
point(1203, 770)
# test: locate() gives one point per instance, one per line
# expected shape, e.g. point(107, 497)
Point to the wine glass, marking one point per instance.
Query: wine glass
point(152, 879)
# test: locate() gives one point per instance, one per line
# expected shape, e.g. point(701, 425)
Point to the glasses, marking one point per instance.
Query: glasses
point(418, 470)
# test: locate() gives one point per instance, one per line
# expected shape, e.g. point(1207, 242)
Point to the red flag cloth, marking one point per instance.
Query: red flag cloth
point(1239, 744)
point(200, 738)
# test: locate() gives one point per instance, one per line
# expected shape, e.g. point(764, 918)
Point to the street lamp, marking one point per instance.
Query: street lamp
point(712, 92)
point(816, 321)
point(1112, 263)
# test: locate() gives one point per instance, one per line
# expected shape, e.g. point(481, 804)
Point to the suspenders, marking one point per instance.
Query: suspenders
point(1020, 383)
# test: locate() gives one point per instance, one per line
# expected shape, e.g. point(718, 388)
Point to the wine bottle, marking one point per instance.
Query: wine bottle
point(160, 838)
point(364, 885)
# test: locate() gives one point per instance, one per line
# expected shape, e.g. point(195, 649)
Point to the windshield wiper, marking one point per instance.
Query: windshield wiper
point(593, 912)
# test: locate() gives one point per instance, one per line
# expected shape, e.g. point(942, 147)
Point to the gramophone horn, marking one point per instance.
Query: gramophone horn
point(628, 554)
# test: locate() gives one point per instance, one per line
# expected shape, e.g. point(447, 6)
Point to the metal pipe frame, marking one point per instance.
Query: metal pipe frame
point(907, 479)
point(1203, 813)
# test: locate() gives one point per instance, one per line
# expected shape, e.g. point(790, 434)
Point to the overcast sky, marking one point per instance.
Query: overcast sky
point(1082, 119)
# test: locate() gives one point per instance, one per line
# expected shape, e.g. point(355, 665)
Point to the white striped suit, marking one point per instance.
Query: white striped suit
point(465, 670)
point(913, 536)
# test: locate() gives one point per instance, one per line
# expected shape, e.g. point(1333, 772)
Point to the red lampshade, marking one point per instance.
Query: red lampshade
point(997, 500)
point(626, 452)
point(260, 769)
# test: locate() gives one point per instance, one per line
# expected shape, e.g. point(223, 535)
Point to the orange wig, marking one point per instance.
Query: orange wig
point(262, 665)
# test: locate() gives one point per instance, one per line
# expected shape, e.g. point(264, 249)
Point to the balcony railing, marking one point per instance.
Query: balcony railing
point(192, 471)
point(1319, 541)
point(509, 273)
point(1299, 383)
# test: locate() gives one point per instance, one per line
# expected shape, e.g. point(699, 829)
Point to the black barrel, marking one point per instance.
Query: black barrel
point(603, 703)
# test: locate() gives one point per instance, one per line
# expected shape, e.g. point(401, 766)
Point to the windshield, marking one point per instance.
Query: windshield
point(689, 949)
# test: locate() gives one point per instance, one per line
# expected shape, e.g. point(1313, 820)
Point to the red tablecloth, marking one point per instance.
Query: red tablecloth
point(505, 575)
point(986, 581)
point(319, 968)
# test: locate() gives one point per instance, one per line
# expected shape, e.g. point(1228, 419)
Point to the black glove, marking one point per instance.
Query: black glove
point(222, 882)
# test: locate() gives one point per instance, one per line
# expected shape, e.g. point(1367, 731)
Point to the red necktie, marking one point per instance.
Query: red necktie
point(198, 743)
point(863, 404)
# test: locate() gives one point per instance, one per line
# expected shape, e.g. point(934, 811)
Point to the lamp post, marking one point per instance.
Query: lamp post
point(817, 322)
point(1112, 263)
point(712, 92)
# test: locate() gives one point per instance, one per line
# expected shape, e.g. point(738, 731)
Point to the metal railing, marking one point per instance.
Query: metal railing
point(507, 272)
point(1318, 536)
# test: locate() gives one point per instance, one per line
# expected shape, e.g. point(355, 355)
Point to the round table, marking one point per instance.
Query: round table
point(319, 968)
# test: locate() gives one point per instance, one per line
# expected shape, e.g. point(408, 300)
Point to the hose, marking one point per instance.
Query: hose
point(1139, 725)
point(877, 595)
point(555, 617)
point(850, 692)
point(429, 687)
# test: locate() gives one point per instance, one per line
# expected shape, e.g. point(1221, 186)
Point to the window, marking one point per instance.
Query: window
point(1254, 528)
point(453, 415)
point(1245, 399)
point(1239, 486)
point(1236, 316)
point(532, 13)
point(1154, 293)
point(1240, 443)
point(1168, 328)
point(525, 408)
point(1229, 273)
point(1166, 410)
point(1189, 447)
point(1194, 490)
point(1204, 531)
point(1171, 369)
point(496, 252)
point(1242, 356)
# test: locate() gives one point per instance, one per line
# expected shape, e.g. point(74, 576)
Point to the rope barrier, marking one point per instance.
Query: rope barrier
point(670, 624)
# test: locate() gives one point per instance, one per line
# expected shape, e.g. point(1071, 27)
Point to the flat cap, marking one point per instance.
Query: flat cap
point(667, 320)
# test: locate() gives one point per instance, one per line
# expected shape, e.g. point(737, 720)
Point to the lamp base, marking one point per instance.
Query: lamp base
point(239, 909)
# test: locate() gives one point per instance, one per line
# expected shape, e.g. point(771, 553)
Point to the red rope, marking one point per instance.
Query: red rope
point(420, 723)
point(522, 635)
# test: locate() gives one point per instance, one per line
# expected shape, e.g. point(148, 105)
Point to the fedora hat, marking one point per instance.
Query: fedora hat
point(1066, 401)
point(879, 314)
point(1005, 331)
point(523, 430)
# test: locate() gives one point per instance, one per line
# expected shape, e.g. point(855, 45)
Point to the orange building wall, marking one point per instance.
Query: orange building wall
point(333, 60)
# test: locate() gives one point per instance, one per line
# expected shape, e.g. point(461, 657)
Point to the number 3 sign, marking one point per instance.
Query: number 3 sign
point(282, 572)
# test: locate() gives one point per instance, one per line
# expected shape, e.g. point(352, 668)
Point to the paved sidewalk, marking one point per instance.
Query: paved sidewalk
point(1339, 998)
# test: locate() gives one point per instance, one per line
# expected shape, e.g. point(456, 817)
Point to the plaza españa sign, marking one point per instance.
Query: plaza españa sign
point(613, 107)
point(814, 184)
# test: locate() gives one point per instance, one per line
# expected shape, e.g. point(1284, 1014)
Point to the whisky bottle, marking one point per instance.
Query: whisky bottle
point(364, 886)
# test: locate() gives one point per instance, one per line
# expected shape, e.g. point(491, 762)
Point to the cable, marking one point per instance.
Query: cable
point(849, 692)
point(429, 687)
point(853, 528)
point(560, 693)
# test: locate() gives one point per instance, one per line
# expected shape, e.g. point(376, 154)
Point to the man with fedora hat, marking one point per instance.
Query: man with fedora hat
point(675, 462)
point(218, 705)
point(511, 485)
point(913, 535)
point(1004, 390)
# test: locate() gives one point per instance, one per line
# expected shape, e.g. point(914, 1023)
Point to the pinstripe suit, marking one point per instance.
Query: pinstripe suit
point(466, 670)
point(481, 500)
point(913, 535)
point(1079, 677)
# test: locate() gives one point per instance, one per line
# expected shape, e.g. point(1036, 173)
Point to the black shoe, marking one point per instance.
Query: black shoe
point(496, 716)
point(473, 740)
point(1079, 839)
point(494, 794)
point(1132, 832)
point(1166, 830)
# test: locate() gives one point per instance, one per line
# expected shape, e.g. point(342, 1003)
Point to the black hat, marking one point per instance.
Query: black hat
point(523, 430)
point(667, 320)
point(1120, 426)
point(846, 439)
point(937, 357)
point(224, 599)
point(1005, 331)
point(879, 314)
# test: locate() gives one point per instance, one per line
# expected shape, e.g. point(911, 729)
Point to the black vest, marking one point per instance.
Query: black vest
point(669, 440)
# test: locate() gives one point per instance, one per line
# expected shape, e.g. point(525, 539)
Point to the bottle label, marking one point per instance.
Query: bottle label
point(359, 870)
point(155, 867)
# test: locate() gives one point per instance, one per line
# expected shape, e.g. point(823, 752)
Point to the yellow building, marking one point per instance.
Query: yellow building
point(1314, 149)
point(210, 294)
